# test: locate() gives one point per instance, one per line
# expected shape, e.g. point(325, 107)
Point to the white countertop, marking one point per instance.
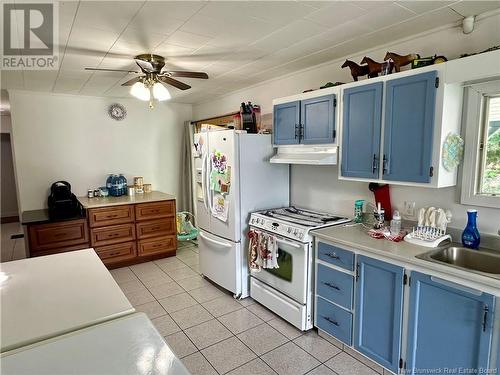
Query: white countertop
point(51, 295)
point(129, 345)
point(154, 196)
point(403, 253)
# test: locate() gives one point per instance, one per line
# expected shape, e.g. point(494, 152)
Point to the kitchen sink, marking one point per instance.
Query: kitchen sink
point(480, 261)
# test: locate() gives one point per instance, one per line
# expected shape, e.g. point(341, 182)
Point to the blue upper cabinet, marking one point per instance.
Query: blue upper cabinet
point(286, 123)
point(409, 126)
point(450, 326)
point(317, 117)
point(362, 113)
point(378, 311)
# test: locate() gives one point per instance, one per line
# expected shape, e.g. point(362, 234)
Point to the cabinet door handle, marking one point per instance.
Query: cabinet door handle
point(374, 163)
point(357, 271)
point(301, 132)
point(330, 320)
point(297, 132)
point(332, 255)
point(331, 285)
point(485, 317)
point(385, 163)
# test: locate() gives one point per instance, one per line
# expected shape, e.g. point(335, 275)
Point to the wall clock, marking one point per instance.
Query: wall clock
point(117, 111)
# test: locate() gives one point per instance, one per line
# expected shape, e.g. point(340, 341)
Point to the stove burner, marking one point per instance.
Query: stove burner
point(301, 216)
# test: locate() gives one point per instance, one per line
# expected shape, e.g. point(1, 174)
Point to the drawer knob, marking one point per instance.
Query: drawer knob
point(331, 285)
point(332, 255)
point(155, 228)
point(330, 320)
point(111, 216)
point(115, 253)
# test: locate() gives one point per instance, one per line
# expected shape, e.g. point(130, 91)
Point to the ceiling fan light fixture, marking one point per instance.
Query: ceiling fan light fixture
point(140, 91)
point(160, 92)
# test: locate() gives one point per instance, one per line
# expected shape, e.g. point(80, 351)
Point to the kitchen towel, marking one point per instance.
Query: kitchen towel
point(262, 251)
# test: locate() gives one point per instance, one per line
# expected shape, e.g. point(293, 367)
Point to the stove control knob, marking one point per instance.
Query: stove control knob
point(289, 230)
point(252, 221)
point(301, 235)
point(295, 233)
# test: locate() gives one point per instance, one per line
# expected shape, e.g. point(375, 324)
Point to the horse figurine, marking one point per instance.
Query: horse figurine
point(374, 67)
point(356, 70)
point(399, 60)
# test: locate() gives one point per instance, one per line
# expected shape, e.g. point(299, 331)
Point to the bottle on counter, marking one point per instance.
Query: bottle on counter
point(395, 223)
point(108, 181)
point(470, 235)
point(115, 186)
point(123, 184)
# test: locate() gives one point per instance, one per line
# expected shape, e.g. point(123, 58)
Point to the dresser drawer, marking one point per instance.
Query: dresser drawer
point(155, 210)
point(100, 217)
point(337, 256)
point(117, 253)
point(334, 320)
point(167, 244)
point(155, 228)
point(335, 286)
point(56, 235)
point(111, 235)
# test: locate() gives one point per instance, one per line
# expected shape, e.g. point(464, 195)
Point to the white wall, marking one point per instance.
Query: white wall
point(8, 197)
point(72, 138)
point(319, 187)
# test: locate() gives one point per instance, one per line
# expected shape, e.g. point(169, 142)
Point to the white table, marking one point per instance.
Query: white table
point(128, 345)
point(52, 295)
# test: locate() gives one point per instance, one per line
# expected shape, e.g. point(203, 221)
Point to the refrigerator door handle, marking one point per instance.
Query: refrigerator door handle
point(222, 244)
point(207, 183)
point(203, 180)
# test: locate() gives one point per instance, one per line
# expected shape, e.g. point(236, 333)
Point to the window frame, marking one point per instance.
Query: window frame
point(473, 129)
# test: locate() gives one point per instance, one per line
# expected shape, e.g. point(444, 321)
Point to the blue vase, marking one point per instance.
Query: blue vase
point(470, 235)
point(115, 186)
point(108, 181)
point(123, 184)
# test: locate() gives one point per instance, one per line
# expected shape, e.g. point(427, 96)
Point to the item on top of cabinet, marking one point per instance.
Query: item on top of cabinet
point(426, 61)
point(494, 48)
point(90, 193)
point(358, 210)
point(130, 190)
point(374, 67)
point(97, 193)
point(248, 118)
point(331, 84)
point(109, 181)
point(431, 227)
point(139, 184)
point(470, 235)
point(400, 60)
point(147, 188)
point(378, 214)
point(382, 196)
point(356, 70)
point(62, 203)
point(115, 186)
point(123, 184)
point(387, 67)
point(103, 191)
point(453, 151)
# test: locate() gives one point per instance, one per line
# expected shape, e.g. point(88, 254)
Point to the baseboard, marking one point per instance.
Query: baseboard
point(9, 219)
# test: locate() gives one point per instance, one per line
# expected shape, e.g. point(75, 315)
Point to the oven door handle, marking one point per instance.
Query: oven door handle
point(289, 243)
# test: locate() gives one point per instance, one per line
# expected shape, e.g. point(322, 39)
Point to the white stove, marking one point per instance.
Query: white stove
point(287, 290)
point(294, 223)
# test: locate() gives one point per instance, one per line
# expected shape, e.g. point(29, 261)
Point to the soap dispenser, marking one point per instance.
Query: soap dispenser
point(470, 235)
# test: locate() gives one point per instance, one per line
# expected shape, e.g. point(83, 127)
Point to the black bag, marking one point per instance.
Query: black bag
point(62, 202)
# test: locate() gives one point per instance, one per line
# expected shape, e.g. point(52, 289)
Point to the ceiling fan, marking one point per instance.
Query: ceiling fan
point(149, 85)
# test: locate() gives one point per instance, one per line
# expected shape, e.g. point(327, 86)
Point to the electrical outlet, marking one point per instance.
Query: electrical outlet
point(409, 209)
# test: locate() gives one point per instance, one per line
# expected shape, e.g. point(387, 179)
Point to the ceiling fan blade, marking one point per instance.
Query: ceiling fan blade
point(176, 73)
point(146, 66)
point(132, 81)
point(113, 70)
point(174, 82)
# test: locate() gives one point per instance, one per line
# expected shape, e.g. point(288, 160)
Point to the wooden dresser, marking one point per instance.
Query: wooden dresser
point(122, 230)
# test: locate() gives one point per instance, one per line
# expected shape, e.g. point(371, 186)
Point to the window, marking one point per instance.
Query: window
point(481, 167)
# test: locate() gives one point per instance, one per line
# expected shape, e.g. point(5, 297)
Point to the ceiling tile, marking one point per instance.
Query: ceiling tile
point(276, 12)
point(385, 15)
point(180, 10)
point(288, 35)
point(423, 6)
point(102, 40)
point(157, 16)
point(108, 15)
point(473, 8)
point(73, 61)
point(221, 11)
point(345, 32)
point(147, 40)
point(202, 25)
point(189, 40)
point(110, 62)
point(335, 14)
point(67, 11)
point(166, 49)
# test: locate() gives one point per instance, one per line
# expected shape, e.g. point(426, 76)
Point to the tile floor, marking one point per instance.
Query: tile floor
point(11, 249)
point(213, 333)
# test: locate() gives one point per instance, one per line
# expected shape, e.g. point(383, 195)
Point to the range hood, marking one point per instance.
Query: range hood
point(302, 154)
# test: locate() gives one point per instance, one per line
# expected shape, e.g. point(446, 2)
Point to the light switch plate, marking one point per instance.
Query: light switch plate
point(409, 209)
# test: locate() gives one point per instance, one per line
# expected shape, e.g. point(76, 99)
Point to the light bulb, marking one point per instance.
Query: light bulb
point(160, 92)
point(140, 91)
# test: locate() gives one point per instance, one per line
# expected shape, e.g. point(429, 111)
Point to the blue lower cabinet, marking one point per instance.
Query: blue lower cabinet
point(335, 286)
point(450, 326)
point(334, 320)
point(378, 311)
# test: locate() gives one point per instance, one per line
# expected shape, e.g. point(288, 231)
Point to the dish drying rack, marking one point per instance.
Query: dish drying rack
point(431, 228)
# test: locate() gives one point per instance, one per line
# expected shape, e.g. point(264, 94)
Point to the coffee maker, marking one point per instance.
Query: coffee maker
point(62, 202)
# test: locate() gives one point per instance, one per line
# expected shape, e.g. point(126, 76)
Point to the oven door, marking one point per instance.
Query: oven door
point(292, 275)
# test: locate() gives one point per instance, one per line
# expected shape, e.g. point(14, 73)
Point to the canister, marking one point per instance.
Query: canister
point(130, 190)
point(147, 188)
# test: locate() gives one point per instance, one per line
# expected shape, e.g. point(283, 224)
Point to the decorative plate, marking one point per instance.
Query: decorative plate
point(117, 111)
point(453, 151)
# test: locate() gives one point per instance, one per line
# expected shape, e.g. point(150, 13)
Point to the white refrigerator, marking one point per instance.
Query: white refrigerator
point(233, 177)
